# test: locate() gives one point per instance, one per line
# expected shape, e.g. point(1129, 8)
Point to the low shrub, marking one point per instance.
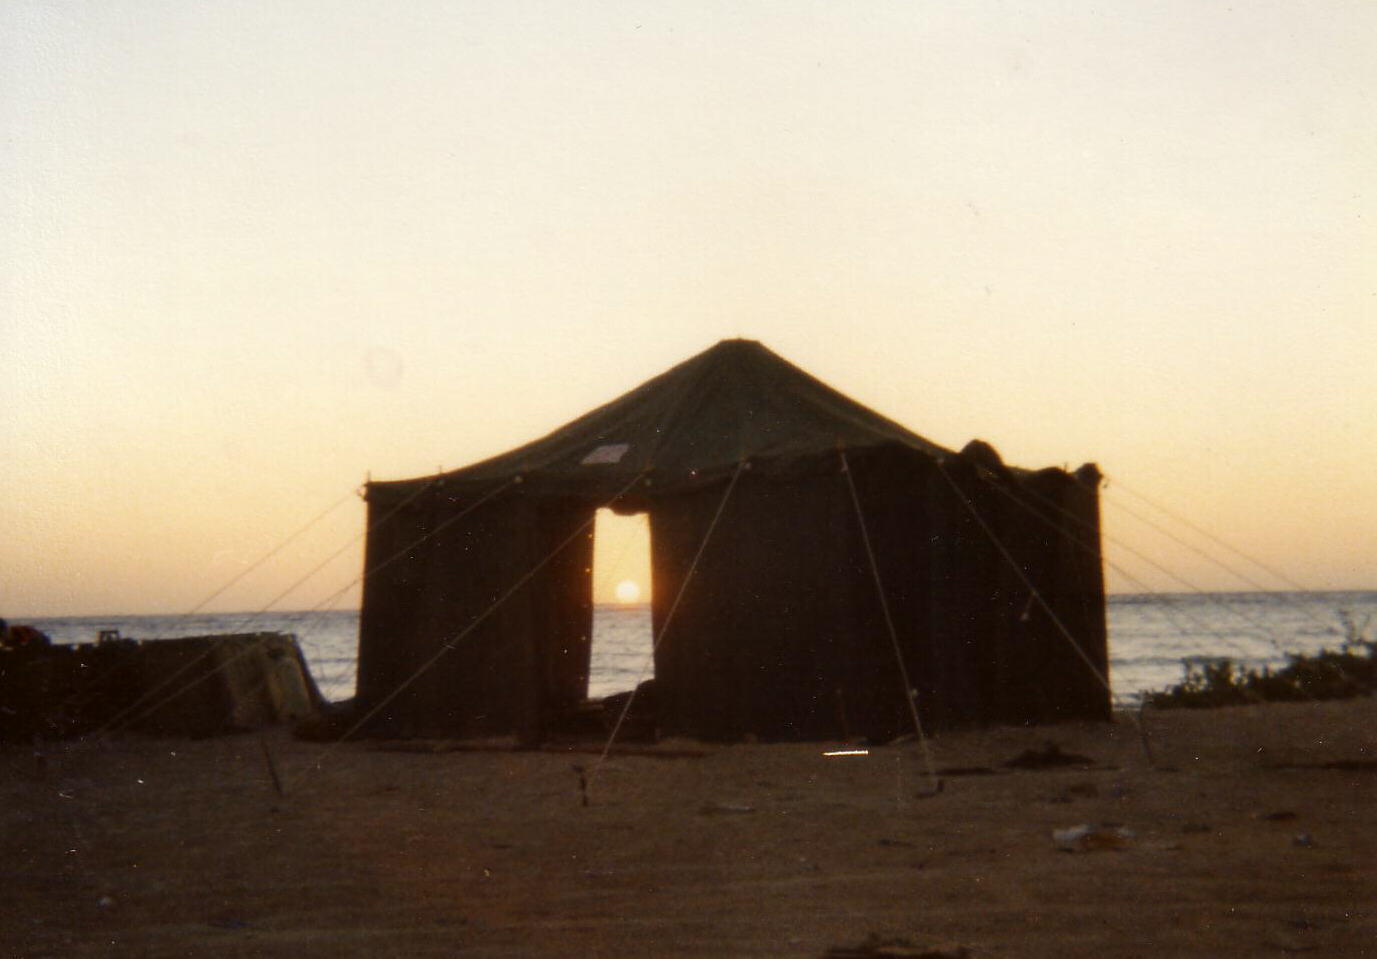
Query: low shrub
point(1349, 672)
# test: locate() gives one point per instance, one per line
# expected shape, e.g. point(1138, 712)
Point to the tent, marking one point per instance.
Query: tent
point(815, 565)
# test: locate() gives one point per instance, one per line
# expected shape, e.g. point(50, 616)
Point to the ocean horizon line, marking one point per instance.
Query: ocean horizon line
point(1113, 597)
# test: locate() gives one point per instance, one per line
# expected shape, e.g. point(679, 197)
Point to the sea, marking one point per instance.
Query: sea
point(1151, 637)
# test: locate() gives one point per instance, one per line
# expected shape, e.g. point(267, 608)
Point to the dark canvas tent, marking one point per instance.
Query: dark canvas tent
point(477, 608)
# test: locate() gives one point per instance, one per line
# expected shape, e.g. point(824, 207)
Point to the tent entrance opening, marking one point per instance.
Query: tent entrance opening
point(622, 630)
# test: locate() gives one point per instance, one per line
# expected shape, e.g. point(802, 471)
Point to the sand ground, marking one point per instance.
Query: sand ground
point(1253, 836)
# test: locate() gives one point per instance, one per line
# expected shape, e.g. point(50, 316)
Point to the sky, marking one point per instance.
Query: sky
point(253, 253)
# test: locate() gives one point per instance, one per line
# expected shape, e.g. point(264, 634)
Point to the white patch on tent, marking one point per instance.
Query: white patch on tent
point(609, 453)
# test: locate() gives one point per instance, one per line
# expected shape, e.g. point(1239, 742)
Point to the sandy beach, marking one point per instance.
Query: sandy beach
point(1251, 835)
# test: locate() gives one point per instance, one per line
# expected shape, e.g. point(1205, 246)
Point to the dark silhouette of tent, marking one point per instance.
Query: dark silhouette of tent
point(786, 619)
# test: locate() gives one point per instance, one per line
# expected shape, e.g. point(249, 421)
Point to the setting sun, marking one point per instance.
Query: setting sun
point(628, 591)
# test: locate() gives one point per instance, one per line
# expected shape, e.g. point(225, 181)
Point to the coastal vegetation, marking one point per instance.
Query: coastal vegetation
point(1345, 673)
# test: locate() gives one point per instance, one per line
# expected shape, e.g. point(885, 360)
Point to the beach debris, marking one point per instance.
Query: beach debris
point(724, 808)
point(1298, 934)
point(1304, 840)
point(1087, 791)
point(229, 923)
point(1342, 765)
point(506, 745)
point(1089, 837)
point(936, 789)
point(1049, 757)
point(1300, 922)
point(583, 783)
point(1281, 815)
point(876, 946)
point(966, 771)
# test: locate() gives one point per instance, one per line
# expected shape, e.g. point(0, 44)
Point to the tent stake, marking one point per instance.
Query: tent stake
point(272, 764)
point(1142, 731)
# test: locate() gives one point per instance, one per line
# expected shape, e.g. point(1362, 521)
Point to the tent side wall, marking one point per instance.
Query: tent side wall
point(761, 639)
point(1049, 521)
point(1046, 524)
point(965, 593)
point(978, 646)
point(396, 549)
point(780, 633)
point(1079, 593)
point(947, 668)
point(477, 649)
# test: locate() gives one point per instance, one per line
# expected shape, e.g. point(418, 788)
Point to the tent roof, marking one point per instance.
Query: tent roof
point(695, 422)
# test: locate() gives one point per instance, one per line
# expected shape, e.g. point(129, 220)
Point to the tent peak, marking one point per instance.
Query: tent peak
point(696, 422)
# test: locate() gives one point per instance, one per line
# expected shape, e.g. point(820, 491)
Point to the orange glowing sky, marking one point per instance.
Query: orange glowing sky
point(252, 251)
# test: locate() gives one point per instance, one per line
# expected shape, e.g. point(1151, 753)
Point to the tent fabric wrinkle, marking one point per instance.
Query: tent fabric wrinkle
point(778, 629)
